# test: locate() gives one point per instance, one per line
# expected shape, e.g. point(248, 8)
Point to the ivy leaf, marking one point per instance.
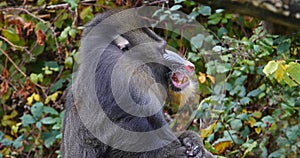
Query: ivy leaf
point(50, 110)
point(18, 142)
point(73, 3)
point(49, 137)
point(222, 146)
point(27, 119)
point(205, 10)
point(57, 85)
point(48, 120)
point(236, 124)
point(254, 92)
point(37, 109)
point(293, 70)
point(207, 131)
point(197, 41)
point(245, 101)
point(6, 142)
point(175, 7)
point(270, 68)
point(284, 47)
point(268, 119)
point(280, 72)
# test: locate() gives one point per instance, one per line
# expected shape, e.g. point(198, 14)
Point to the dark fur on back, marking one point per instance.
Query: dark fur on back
point(102, 62)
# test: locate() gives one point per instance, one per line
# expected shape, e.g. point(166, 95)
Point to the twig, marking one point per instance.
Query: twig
point(24, 10)
point(15, 65)
point(13, 45)
point(58, 6)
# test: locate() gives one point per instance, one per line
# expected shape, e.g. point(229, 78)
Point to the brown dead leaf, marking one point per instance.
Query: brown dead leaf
point(29, 26)
point(18, 22)
point(3, 87)
point(5, 73)
point(119, 2)
point(40, 37)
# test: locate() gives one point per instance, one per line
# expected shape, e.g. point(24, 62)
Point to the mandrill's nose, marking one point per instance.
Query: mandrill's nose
point(189, 67)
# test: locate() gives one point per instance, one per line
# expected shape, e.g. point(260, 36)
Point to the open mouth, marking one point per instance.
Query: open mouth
point(180, 80)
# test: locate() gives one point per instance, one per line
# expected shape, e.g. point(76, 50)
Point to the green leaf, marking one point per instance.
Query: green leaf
point(284, 47)
point(197, 41)
point(34, 78)
point(214, 21)
point(278, 154)
point(51, 64)
point(6, 142)
point(73, 3)
point(1, 135)
point(50, 110)
point(86, 14)
point(293, 70)
point(245, 101)
point(18, 142)
point(175, 7)
point(222, 31)
point(268, 119)
point(69, 62)
point(49, 137)
point(223, 68)
point(205, 10)
point(57, 85)
point(72, 33)
point(11, 36)
point(37, 109)
point(48, 120)
point(193, 56)
point(268, 41)
point(38, 50)
point(236, 124)
point(270, 68)
point(64, 34)
point(38, 125)
point(254, 93)
point(243, 116)
point(27, 119)
point(293, 133)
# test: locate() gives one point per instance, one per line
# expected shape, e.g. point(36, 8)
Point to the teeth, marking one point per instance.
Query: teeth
point(184, 80)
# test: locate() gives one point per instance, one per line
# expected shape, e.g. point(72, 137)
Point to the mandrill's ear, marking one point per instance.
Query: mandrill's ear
point(121, 42)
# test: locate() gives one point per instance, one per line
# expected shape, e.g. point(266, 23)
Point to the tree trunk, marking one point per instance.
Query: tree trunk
point(281, 16)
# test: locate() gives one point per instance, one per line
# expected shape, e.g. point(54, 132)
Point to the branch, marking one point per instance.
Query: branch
point(260, 10)
point(15, 65)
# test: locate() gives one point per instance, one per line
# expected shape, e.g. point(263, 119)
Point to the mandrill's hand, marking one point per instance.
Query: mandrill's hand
point(194, 145)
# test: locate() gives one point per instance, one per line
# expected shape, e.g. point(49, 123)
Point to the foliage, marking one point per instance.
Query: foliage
point(256, 111)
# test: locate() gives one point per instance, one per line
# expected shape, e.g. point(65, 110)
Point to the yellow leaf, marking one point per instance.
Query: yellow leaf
point(30, 100)
point(257, 114)
point(15, 128)
point(52, 97)
point(251, 121)
point(202, 77)
point(212, 79)
point(36, 97)
point(258, 130)
point(222, 146)
point(280, 72)
point(207, 131)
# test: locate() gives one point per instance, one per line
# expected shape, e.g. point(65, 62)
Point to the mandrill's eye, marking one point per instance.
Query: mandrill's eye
point(122, 43)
